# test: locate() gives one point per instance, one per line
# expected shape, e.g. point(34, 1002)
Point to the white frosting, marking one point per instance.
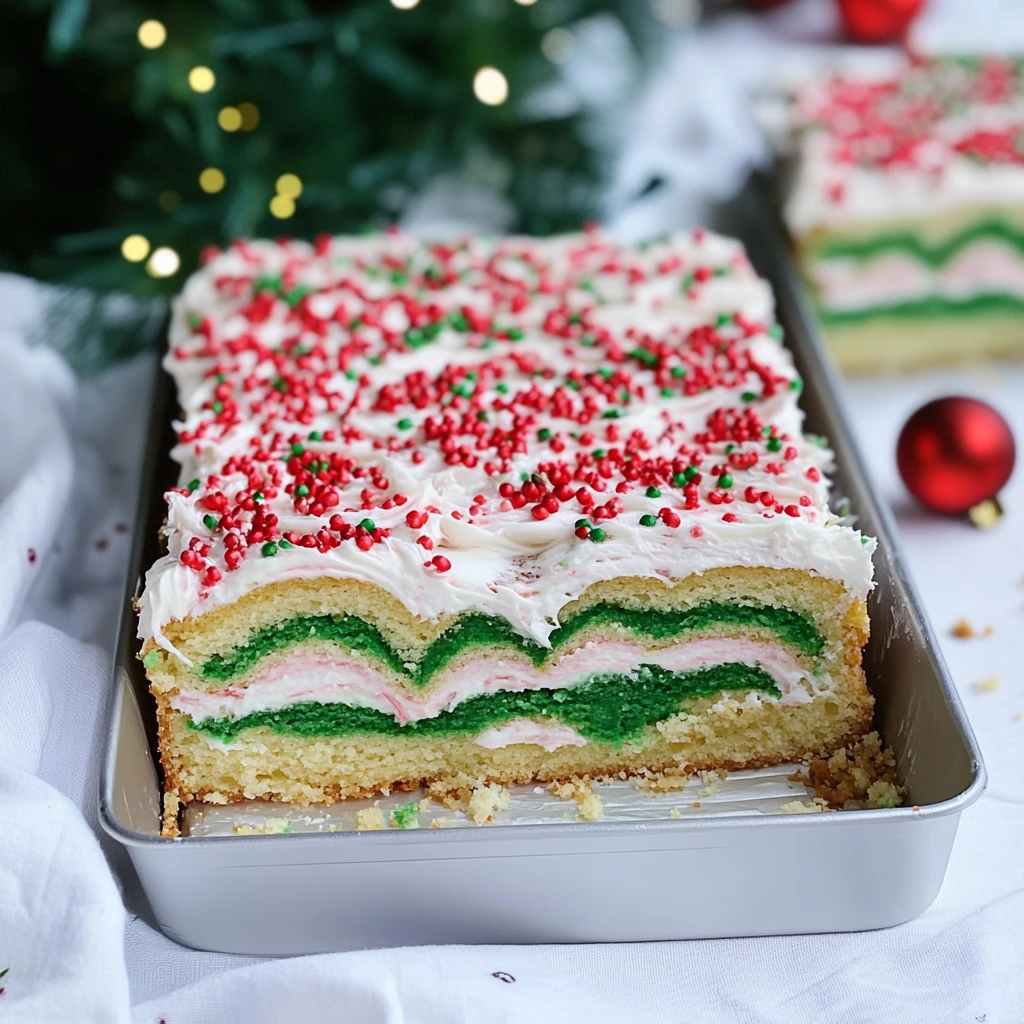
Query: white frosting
point(549, 735)
point(503, 561)
point(928, 109)
point(300, 676)
point(984, 267)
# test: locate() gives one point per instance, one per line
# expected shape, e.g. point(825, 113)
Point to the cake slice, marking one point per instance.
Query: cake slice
point(906, 203)
point(506, 511)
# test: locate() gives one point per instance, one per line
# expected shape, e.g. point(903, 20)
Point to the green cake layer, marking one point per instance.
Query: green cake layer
point(935, 254)
point(932, 306)
point(355, 634)
point(609, 708)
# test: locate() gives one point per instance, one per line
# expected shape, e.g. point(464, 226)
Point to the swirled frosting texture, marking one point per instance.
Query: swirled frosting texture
point(485, 425)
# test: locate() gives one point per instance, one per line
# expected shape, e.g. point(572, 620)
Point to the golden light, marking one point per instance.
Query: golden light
point(212, 180)
point(135, 248)
point(490, 86)
point(152, 34)
point(230, 119)
point(201, 79)
point(404, 5)
point(289, 185)
point(250, 116)
point(163, 263)
point(558, 45)
point(282, 207)
point(526, 3)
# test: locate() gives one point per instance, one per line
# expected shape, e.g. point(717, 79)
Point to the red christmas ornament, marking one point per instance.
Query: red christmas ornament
point(955, 453)
point(878, 21)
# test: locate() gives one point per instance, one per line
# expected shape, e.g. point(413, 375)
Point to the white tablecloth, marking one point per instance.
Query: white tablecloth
point(75, 938)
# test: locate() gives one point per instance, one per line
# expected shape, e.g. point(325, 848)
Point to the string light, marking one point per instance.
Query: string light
point(250, 116)
point(152, 34)
point(404, 5)
point(289, 185)
point(201, 79)
point(230, 119)
point(282, 207)
point(558, 45)
point(135, 248)
point(490, 86)
point(526, 3)
point(212, 180)
point(163, 263)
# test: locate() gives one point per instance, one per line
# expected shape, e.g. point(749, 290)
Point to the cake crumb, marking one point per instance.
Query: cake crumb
point(883, 794)
point(276, 826)
point(332, 828)
point(1017, 717)
point(590, 808)
point(369, 819)
point(710, 780)
point(169, 826)
point(988, 630)
point(406, 816)
point(847, 776)
point(696, 803)
point(485, 800)
point(815, 806)
point(675, 813)
point(244, 830)
point(440, 822)
point(987, 684)
point(962, 629)
point(661, 782)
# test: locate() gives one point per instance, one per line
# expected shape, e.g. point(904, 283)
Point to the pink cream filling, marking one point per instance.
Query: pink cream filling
point(337, 679)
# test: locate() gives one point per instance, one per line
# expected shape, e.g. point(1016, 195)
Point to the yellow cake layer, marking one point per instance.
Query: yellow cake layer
point(714, 733)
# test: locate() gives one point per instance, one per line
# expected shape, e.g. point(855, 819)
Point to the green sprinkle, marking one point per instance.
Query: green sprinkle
point(404, 424)
point(775, 331)
point(524, 477)
point(797, 385)
point(748, 396)
point(766, 431)
point(315, 435)
point(648, 520)
point(397, 277)
point(723, 319)
point(210, 522)
point(458, 321)
point(597, 535)
point(193, 485)
point(865, 540)
point(406, 816)
point(611, 414)
point(354, 324)
point(297, 449)
point(653, 492)
point(482, 415)
point(729, 448)
point(571, 383)
point(258, 496)
point(194, 321)
point(301, 491)
point(269, 549)
point(667, 392)
point(515, 334)
point(606, 372)
point(690, 472)
point(280, 384)
point(284, 543)
point(297, 294)
point(368, 525)
point(220, 378)
point(599, 453)
point(678, 479)
point(151, 659)
point(644, 356)
point(687, 283)
point(501, 387)
point(774, 444)
point(725, 480)
point(678, 371)
point(350, 374)
point(585, 523)
point(588, 341)
point(217, 407)
point(575, 318)
point(543, 434)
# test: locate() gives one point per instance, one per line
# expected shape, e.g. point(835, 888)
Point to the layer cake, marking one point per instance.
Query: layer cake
point(906, 202)
point(506, 511)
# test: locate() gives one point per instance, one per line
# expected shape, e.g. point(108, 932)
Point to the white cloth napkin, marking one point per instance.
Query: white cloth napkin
point(75, 937)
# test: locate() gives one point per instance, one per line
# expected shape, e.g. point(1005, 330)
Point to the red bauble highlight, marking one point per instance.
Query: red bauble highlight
point(954, 453)
point(878, 21)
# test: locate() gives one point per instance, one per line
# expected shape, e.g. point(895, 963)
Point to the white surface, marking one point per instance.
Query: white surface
point(73, 954)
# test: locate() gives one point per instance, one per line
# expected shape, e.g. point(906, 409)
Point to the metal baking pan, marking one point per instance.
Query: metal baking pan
point(578, 882)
